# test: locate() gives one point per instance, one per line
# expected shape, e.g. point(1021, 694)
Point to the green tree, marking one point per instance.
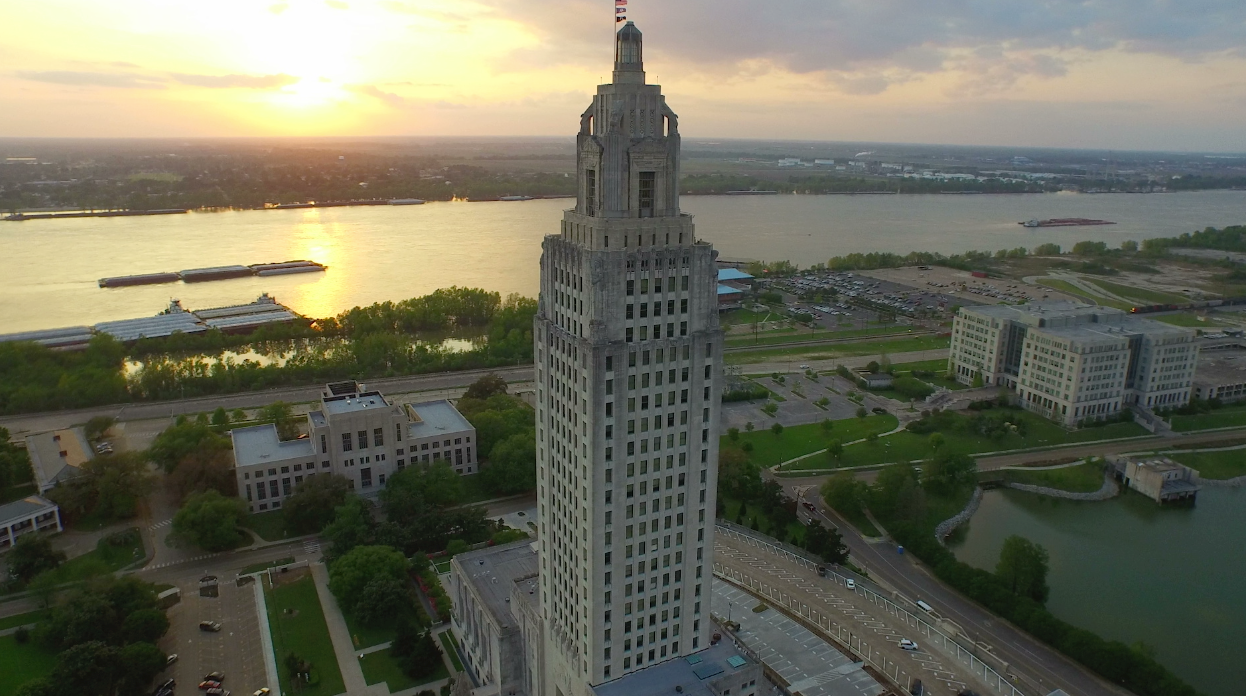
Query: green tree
point(209, 520)
point(1129, 245)
point(381, 598)
point(843, 492)
point(281, 415)
point(31, 555)
point(977, 380)
point(485, 387)
point(733, 434)
point(936, 441)
point(512, 465)
point(827, 426)
point(1023, 568)
point(138, 664)
point(98, 426)
point(835, 450)
point(220, 418)
point(311, 507)
point(947, 472)
point(181, 439)
point(861, 412)
point(827, 543)
point(144, 626)
point(872, 366)
point(91, 668)
point(351, 573)
point(204, 470)
point(352, 526)
point(777, 429)
point(415, 649)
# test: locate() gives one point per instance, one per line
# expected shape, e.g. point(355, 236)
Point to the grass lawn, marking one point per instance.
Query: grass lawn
point(746, 316)
point(1071, 289)
point(20, 663)
point(906, 446)
point(106, 555)
point(791, 335)
point(753, 518)
point(1189, 320)
point(257, 567)
point(1220, 418)
point(380, 666)
point(938, 367)
point(1214, 465)
point(902, 344)
point(23, 619)
point(270, 526)
point(450, 646)
point(1083, 478)
point(1141, 294)
point(770, 449)
point(366, 635)
point(303, 631)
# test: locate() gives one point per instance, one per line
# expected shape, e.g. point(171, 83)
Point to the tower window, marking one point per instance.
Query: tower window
point(590, 192)
point(647, 183)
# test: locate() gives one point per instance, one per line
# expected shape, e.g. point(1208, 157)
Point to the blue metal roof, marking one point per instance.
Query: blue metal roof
point(728, 290)
point(732, 274)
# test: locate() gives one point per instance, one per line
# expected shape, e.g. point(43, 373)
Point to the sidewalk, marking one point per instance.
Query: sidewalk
point(347, 659)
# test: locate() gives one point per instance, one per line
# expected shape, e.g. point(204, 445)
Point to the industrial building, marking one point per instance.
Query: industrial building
point(357, 434)
point(1072, 362)
point(1158, 478)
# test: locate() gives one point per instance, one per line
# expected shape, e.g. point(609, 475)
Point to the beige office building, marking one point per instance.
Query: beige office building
point(1072, 362)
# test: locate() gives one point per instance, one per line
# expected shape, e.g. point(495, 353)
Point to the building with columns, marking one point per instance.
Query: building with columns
point(628, 354)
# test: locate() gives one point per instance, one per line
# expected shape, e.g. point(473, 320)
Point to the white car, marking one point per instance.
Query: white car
point(907, 644)
point(804, 367)
point(850, 584)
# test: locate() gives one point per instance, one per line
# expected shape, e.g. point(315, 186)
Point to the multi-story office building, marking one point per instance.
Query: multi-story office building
point(628, 356)
point(357, 434)
point(1072, 362)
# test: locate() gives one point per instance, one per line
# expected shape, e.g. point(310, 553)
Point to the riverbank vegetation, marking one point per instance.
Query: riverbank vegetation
point(365, 342)
point(1086, 477)
point(910, 505)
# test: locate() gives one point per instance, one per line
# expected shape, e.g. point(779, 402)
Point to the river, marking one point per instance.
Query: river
point(1127, 569)
point(391, 253)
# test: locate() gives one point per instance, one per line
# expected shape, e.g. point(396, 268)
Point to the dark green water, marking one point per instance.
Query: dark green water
point(1127, 569)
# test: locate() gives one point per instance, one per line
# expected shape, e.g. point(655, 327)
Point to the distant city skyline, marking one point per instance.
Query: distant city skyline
point(1112, 75)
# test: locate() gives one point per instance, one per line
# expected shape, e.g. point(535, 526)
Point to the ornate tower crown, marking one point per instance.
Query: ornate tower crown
point(628, 63)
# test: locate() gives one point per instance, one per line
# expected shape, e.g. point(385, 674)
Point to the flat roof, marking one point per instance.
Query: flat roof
point(259, 444)
point(494, 573)
point(351, 403)
point(436, 417)
point(732, 274)
point(45, 449)
point(684, 675)
point(1221, 367)
point(810, 664)
point(728, 290)
point(25, 507)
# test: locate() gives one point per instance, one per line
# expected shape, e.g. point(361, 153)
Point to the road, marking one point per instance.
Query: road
point(1039, 666)
point(869, 628)
point(781, 363)
point(52, 420)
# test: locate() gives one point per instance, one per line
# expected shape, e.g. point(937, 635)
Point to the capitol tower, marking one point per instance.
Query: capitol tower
point(628, 354)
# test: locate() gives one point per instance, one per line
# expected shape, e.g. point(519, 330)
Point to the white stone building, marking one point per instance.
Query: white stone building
point(628, 369)
point(1072, 362)
point(30, 514)
point(357, 434)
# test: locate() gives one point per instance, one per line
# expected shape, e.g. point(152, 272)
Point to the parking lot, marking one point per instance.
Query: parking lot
point(235, 650)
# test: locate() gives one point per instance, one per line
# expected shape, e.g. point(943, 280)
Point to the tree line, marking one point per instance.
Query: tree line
point(360, 343)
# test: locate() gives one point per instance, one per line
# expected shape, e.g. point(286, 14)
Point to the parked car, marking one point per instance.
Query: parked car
point(216, 691)
point(261, 692)
point(214, 676)
point(170, 659)
point(917, 689)
point(907, 644)
point(212, 626)
point(821, 571)
point(209, 684)
point(851, 584)
point(966, 692)
point(208, 578)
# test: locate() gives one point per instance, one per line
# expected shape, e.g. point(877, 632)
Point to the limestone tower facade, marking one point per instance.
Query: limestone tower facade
point(628, 354)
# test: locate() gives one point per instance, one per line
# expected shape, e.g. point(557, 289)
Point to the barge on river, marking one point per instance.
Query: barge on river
point(202, 275)
point(1065, 222)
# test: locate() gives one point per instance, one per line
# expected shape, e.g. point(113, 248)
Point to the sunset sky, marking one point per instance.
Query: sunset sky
point(1126, 74)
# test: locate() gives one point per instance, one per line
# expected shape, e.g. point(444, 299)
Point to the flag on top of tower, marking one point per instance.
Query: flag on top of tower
point(620, 8)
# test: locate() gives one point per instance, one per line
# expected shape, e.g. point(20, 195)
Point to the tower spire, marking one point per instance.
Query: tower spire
point(628, 55)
